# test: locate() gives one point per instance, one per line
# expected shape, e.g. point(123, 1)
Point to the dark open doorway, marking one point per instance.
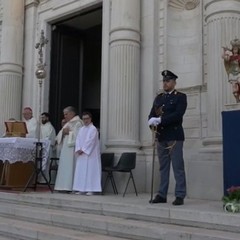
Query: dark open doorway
point(75, 77)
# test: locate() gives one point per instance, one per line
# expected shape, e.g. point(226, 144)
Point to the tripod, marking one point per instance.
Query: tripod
point(38, 168)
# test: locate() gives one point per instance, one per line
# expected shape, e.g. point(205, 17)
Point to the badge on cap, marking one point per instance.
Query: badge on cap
point(167, 75)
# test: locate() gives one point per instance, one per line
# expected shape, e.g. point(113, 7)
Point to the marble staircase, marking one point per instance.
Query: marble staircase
point(46, 216)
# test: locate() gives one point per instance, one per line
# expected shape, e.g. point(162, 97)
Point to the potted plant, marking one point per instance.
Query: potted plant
point(231, 202)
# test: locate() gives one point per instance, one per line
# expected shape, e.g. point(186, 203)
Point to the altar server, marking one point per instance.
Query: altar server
point(47, 129)
point(87, 177)
point(48, 132)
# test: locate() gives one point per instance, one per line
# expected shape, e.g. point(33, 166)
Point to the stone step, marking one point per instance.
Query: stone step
point(8, 238)
point(202, 214)
point(21, 230)
point(21, 218)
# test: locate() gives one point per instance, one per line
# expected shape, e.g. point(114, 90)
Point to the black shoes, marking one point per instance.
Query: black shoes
point(158, 199)
point(178, 201)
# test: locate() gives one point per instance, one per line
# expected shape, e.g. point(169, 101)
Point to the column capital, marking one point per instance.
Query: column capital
point(125, 21)
point(12, 32)
point(11, 68)
point(124, 34)
point(215, 8)
point(31, 3)
point(125, 14)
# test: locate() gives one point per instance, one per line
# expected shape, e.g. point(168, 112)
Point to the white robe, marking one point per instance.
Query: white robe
point(58, 143)
point(64, 180)
point(88, 171)
point(48, 132)
point(31, 127)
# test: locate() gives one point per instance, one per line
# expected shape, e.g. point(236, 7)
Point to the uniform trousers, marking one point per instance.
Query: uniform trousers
point(171, 152)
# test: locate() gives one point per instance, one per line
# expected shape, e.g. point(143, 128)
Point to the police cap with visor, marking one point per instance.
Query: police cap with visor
point(168, 75)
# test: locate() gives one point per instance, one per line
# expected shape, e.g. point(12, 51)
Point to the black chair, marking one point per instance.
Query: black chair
point(126, 164)
point(107, 160)
point(53, 167)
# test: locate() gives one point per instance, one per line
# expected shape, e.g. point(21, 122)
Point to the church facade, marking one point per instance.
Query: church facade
point(106, 56)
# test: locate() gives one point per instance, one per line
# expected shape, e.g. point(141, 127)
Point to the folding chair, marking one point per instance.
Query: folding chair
point(107, 160)
point(126, 164)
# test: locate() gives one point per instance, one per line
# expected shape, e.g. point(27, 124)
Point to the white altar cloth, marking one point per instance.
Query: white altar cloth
point(15, 149)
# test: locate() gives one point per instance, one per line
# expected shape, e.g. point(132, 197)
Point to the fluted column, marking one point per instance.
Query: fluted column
point(11, 60)
point(223, 24)
point(123, 114)
point(30, 83)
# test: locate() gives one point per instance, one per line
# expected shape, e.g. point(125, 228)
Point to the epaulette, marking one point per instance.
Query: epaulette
point(180, 93)
point(177, 93)
point(160, 94)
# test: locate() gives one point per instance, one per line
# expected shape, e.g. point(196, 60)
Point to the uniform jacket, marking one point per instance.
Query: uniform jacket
point(173, 108)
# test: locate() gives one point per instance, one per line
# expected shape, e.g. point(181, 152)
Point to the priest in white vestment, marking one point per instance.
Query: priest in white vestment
point(31, 123)
point(58, 142)
point(88, 171)
point(67, 137)
point(47, 131)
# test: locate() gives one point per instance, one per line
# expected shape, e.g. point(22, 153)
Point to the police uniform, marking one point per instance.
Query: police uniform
point(170, 107)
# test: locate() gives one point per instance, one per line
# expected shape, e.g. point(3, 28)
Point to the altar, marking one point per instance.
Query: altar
point(17, 158)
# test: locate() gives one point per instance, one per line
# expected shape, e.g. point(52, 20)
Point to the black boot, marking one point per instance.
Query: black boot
point(158, 199)
point(178, 201)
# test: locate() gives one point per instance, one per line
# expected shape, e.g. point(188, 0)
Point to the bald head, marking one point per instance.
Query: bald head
point(27, 113)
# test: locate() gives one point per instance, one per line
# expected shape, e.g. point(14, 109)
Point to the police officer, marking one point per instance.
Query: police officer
point(166, 116)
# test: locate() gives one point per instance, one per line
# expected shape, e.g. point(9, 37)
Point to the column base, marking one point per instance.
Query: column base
point(117, 145)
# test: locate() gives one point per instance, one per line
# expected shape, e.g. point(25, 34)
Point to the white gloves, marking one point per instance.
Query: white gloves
point(154, 121)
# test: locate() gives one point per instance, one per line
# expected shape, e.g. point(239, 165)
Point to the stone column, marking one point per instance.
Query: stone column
point(30, 83)
point(11, 60)
point(223, 24)
point(123, 108)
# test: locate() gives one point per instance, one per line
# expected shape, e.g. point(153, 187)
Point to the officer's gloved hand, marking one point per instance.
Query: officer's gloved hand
point(154, 121)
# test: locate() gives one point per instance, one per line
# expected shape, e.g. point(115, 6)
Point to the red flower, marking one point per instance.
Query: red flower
point(233, 189)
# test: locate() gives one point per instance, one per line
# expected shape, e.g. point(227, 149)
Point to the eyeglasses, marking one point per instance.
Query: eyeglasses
point(85, 118)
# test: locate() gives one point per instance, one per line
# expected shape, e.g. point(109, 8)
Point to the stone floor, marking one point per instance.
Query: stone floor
point(129, 217)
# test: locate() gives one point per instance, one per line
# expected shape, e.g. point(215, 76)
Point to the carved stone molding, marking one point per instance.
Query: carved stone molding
point(30, 3)
point(184, 4)
point(188, 90)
